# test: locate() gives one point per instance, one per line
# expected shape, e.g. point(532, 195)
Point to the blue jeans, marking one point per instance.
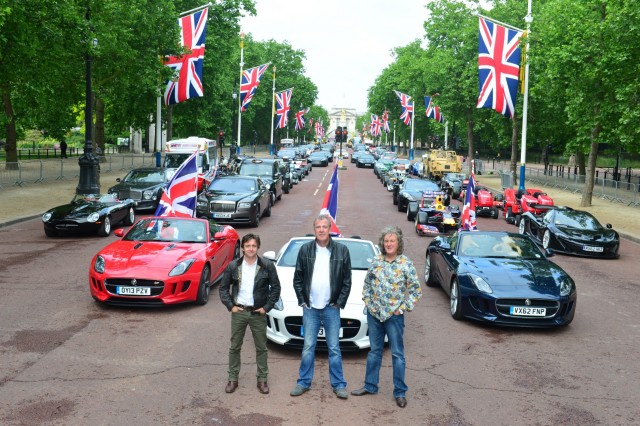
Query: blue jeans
point(312, 319)
point(394, 329)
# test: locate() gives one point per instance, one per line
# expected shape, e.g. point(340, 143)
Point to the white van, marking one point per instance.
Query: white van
point(178, 150)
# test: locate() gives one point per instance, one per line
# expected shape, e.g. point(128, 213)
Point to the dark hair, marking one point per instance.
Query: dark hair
point(249, 237)
point(391, 230)
point(322, 216)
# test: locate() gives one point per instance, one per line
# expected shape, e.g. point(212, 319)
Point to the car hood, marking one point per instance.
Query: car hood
point(76, 210)
point(226, 196)
point(146, 258)
point(288, 294)
point(509, 276)
point(587, 235)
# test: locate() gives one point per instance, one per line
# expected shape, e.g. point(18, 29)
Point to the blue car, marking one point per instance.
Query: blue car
point(501, 278)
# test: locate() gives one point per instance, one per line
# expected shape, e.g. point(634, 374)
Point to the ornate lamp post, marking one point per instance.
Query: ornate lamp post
point(88, 162)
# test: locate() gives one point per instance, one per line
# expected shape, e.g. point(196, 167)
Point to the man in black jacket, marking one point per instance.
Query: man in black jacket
point(322, 281)
point(249, 289)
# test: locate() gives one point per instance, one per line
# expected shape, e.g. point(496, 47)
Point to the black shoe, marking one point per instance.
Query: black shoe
point(401, 401)
point(231, 386)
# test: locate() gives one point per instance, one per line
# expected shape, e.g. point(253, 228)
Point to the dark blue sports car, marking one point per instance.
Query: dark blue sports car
point(502, 278)
point(569, 231)
point(89, 214)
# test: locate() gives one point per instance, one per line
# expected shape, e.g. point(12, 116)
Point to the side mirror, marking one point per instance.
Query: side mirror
point(609, 226)
point(271, 255)
point(119, 232)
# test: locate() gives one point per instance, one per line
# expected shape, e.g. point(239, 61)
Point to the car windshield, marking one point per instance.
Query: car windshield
point(168, 230)
point(251, 168)
point(361, 252)
point(455, 176)
point(148, 176)
point(420, 185)
point(497, 245)
point(95, 198)
point(174, 160)
point(577, 219)
point(233, 185)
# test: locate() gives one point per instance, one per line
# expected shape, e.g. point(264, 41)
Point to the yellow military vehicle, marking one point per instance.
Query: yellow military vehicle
point(437, 162)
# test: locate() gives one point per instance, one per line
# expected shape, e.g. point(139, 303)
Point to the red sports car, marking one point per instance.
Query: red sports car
point(163, 261)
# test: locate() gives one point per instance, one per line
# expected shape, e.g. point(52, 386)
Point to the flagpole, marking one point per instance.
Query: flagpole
point(413, 121)
point(196, 9)
point(446, 135)
point(273, 110)
point(523, 149)
point(240, 97)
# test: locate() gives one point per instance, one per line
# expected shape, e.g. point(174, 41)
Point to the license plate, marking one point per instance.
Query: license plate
point(526, 311)
point(592, 248)
point(134, 291)
point(321, 332)
point(222, 215)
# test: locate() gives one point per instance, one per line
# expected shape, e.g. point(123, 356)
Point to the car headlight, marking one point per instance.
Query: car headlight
point(244, 205)
point(202, 204)
point(93, 217)
point(181, 267)
point(99, 264)
point(480, 284)
point(566, 286)
point(147, 195)
point(46, 216)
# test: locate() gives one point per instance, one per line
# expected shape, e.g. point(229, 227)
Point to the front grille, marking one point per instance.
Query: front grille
point(350, 327)
point(156, 286)
point(222, 207)
point(552, 306)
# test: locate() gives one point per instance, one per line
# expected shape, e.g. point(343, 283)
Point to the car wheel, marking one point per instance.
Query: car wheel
point(105, 228)
point(522, 226)
point(454, 300)
point(395, 199)
point(494, 213)
point(509, 216)
point(428, 274)
point(546, 239)
point(286, 188)
point(273, 198)
point(279, 197)
point(203, 287)
point(267, 212)
point(131, 217)
point(256, 220)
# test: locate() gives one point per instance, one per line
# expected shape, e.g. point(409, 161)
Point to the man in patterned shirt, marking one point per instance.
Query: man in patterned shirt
point(391, 288)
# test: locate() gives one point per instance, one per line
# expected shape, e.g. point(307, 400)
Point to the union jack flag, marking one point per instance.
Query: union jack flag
point(300, 118)
point(283, 105)
point(188, 67)
point(385, 121)
point(180, 194)
point(310, 125)
point(432, 110)
point(330, 202)
point(249, 84)
point(319, 129)
point(407, 107)
point(499, 66)
point(468, 216)
point(375, 126)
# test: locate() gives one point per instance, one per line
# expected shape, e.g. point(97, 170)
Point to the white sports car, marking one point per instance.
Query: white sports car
point(285, 327)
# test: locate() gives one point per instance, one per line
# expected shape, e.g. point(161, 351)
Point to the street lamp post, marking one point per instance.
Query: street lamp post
point(232, 149)
point(88, 162)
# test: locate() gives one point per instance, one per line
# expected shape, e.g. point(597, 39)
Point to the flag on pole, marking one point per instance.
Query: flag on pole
point(468, 216)
point(283, 105)
point(499, 66)
point(407, 107)
point(385, 121)
point(432, 110)
point(330, 202)
point(188, 67)
point(249, 84)
point(180, 194)
point(300, 118)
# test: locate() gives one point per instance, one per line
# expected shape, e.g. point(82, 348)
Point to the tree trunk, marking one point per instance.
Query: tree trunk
point(513, 167)
point(11, 147)
point(582, 171)
point(587, 191)
point(470, 155)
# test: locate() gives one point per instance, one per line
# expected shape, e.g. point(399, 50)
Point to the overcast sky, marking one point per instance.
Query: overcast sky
point(361, 32)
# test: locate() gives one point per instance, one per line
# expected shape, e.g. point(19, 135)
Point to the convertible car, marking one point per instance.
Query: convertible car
point(569, 231)
point(89, 214)
point(163, 261)
point(285, 327)
point(501, 278)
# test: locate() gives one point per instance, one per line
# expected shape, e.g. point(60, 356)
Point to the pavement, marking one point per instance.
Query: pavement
point(31, 200)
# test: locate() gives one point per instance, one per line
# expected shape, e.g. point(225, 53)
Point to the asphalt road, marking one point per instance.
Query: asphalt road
point(66, 360)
